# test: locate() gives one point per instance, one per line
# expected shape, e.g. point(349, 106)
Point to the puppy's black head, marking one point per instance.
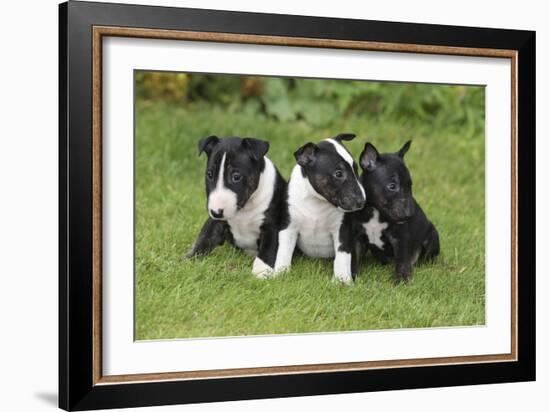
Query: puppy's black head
point(232, 172)
point(332, 173)
point(388, 183)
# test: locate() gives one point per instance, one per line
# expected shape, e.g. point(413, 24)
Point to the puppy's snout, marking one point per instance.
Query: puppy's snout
point(403, 210)
point(216, 214)
point(360, 199)
point(359, 203)
point(222, 204)
point(353, 203)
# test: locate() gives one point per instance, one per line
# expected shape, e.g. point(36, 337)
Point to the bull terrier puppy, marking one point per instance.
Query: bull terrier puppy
point(246, 200)
point(392, 223)
point(323, 187)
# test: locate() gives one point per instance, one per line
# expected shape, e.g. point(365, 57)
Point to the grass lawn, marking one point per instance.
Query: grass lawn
point(217, 295)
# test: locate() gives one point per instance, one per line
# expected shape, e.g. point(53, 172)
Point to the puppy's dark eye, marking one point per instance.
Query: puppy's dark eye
point(236, 177)
point(209, 174)
point(338, 174)
point(392, 187)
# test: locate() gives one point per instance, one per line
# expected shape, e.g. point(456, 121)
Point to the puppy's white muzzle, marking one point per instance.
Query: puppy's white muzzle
point(222, 204)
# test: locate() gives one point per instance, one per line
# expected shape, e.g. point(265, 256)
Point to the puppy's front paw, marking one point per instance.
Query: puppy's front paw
point(402, 273)
point(344, 278)
point(261, 270)
point(342, 268)
point(189, 254)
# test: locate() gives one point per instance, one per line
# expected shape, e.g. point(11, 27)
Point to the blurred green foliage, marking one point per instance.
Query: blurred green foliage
point(320, 102)
point(161, 85)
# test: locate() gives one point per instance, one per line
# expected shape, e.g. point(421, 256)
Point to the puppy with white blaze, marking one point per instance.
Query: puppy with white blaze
point(323, 187)
point(246, 200)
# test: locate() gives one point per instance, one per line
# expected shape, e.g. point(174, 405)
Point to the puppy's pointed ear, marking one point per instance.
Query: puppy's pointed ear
point(344, 136)
point(368, 158)
point(404, 149)
point(255, 147)
point(306, 154)
point(207, 144)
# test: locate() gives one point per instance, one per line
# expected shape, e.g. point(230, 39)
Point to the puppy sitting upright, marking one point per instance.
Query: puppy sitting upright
point(245, 199)
point(323, 186)
point(396, 227)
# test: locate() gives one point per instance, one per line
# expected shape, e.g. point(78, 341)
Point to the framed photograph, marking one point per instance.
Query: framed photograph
point(256, 206)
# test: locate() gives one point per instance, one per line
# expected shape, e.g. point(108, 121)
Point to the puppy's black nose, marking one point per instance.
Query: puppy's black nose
point(357, 204)
point(360, 204)
point(217, 214)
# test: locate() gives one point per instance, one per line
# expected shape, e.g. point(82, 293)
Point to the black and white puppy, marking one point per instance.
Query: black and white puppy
point(323, 186)
point(246, 200)
point(393, 224)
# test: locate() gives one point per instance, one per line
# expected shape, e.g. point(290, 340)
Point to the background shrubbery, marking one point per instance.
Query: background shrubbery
point(318, 102)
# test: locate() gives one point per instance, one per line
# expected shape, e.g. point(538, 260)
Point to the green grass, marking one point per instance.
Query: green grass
point(217, 295)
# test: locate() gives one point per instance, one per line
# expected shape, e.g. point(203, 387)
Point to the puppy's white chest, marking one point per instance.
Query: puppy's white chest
point(316, 242)
point(374, 228)
point(312, 217)
point(316, 227)
point(245, 229)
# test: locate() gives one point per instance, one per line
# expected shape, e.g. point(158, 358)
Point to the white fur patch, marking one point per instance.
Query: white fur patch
point(374, 229)
point(221, 198)
point(260, 269)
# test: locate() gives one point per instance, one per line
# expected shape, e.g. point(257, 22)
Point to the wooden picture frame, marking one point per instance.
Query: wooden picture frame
point(81, 382)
